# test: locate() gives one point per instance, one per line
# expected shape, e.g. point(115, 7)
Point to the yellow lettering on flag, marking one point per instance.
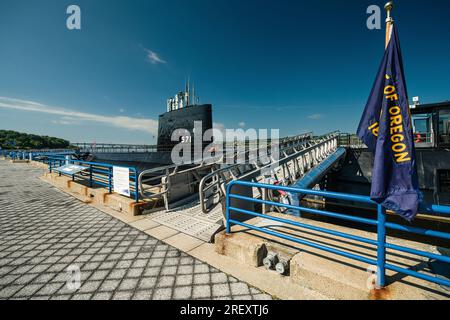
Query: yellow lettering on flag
point(396, 129)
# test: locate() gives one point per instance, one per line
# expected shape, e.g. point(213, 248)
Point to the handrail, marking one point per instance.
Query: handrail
point(99, 173)
point(287, 158)
point(117, 147)
point(204, 187)
point(208, 163)
point(380, 223)
point(32, 154)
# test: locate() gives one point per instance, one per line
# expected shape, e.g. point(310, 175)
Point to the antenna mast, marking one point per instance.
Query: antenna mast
point(188, 97)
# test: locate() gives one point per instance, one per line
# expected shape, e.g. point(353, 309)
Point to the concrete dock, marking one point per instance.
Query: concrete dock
point(330, 274)
point(50, 225)
point(45, 232)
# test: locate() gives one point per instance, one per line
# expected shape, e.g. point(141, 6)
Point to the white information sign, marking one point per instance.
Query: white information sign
point(121, 180)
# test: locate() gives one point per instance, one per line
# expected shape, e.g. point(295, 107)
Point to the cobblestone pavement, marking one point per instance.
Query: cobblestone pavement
point(44, 231)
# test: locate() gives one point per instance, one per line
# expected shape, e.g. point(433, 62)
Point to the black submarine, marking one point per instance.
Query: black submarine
point(183, 110)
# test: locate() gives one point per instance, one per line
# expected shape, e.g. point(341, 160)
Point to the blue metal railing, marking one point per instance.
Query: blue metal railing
point(96, 174)
point(34, 155)
point(380, 223)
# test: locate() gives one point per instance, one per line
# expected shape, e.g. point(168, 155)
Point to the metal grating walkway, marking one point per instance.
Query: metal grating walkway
point(190, 219)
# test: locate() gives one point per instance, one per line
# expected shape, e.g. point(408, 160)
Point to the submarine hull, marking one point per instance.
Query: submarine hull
point(180, 119)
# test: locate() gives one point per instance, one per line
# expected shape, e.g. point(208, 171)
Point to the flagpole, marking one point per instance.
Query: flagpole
point(389, 21)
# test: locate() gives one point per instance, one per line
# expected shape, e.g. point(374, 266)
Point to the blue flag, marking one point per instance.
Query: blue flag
point(386, 129)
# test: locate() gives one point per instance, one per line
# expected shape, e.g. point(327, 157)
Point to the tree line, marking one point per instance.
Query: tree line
point(17, 140)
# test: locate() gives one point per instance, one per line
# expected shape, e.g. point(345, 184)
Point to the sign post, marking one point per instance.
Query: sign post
point(121, 180)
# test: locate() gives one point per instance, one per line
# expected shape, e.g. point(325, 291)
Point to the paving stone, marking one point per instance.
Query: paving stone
point(109, 285)
point(5, 280)
point(61, 297)
point(201, 268)
point(184, 280)
point(182, 293)
point(143, 295)
point(162, 294)
point(201, 291)
point(9, 291)
point(23, 269)
point(86, 296)
point(102, 296)
point(147, 282)
point(128, 284)
point(44, 277)
point(89, 286)
point(166, 281)
point(40, 298)
point(202, 278)
point(188, 269)
point(49, 289)
point(135, 272)
point(46, 232)
point(123, 295)
point(152, 271)
point(117, 274)
point(169, 270)
point(219, 277)
point(25, 279)
point(262, 297)
point(243, 297)
point(107, 265)
point(144, 224)
point(219, 290)
point(28, 290)
point(239, 288)
point(99, 275)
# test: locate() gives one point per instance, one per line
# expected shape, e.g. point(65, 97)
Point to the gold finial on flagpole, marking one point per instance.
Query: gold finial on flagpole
point(389, 21)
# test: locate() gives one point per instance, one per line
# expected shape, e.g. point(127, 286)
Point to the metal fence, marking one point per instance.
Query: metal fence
point(96, 173)
point(34, 154)
point(113, 147)
point(380, 223)
point(351, 141)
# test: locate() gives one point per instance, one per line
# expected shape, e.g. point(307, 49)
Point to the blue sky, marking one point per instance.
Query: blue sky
point(293, 65)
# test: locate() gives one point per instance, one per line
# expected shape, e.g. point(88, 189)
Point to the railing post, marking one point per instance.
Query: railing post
point(136, 184)
point(381, 248)
point(90, 176)
point(109, 180)
point(227, 207)
point(265, 197)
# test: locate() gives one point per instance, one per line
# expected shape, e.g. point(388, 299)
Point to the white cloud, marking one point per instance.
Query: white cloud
point(62, 122)
point(153, 57)
point(121, 110)
point(242, 124)
point(316, 116)
point(66, 121)
point(69, 117)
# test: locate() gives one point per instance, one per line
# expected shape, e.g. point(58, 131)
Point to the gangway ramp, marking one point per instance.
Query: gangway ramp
point(190, 220)
point(179, 181)
point(190, 197)
point(293, 163)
